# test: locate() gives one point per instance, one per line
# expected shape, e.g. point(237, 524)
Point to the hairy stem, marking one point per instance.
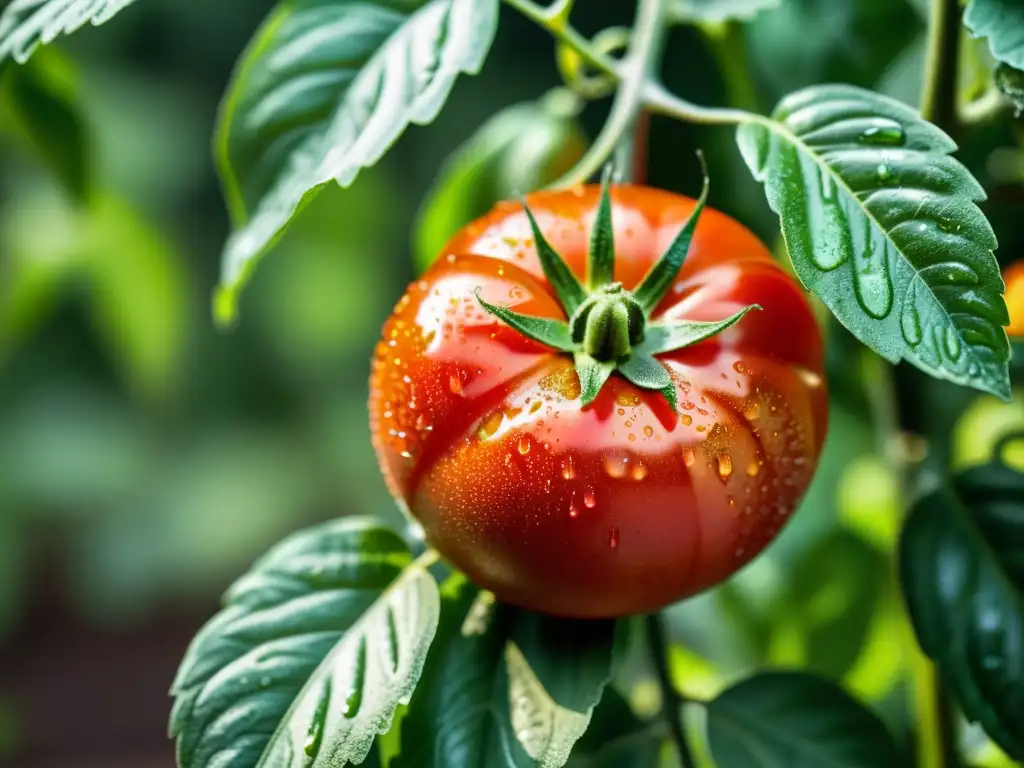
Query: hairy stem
point(672, 701)
point(938, 98)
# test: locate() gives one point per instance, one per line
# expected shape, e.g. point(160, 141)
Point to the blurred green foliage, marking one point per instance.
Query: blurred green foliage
point(146, 458)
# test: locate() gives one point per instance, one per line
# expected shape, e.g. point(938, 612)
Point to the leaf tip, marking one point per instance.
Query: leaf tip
point(225, 307)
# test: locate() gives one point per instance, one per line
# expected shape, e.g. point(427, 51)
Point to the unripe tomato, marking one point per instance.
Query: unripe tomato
point(626, 504)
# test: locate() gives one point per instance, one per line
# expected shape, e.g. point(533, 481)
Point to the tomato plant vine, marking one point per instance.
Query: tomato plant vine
point(541, 527)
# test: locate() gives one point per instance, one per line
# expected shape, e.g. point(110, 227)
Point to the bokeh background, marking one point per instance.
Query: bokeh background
point(147, 458)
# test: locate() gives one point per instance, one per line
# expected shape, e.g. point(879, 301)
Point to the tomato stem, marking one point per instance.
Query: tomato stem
point(672, 700)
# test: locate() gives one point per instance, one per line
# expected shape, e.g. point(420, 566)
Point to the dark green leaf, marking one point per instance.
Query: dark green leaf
point(645, 371)
point(659, 279)
point(717, 11)
point(617, 738)
point(593, 374)
point(667, 338)
point(26, 24)
point(796, 720)
point(881, 224)
point(313, 651)
point(601, 262)
point(568, 288)
point(554, 333)
point(962, 570)
point(323, 91)
point(504, 687)
point(1002, 22)
point(41, 99)
point(521, 148)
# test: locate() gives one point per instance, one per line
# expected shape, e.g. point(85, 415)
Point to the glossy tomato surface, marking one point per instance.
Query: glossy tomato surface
point(625, 505)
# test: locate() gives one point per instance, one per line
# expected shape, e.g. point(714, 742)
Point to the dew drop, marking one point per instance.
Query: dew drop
point(687, 419)
point(910, 324)
point(885, 172)
point(589, 499)
point(455, 384)
point(724, 466)
point(689, 457)
point(639, 471)
point(648, 431)
point(574, 510)
point(616, 464)
point(884, 132)
point(739, 367)
point(490, 425)
point(613, 538)
point(953, 346)
point(753, 468)
point(568, 469)
point(524, 445)
point(752, 411)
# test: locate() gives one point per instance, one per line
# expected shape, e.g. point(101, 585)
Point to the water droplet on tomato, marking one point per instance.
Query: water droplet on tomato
point(490, 425)
point(753, 410)
point(753, 468)
point(639, 471)
point(739, 367)
point(589, 499)
point(649, 431)
point(616, 464)
point(524, 445)
point(688, 457)
point(574, 510)
point(568, 469)
point(613, 538)
point(724, 466)
point(455, 384)
point(687, 419)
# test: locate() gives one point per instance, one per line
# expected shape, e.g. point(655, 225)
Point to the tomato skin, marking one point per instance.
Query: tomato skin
point(1013, 276)
point(623, 506)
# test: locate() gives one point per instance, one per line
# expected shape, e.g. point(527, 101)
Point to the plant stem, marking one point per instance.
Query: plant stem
point(728, 45)
point(672, 701)
point(638, 67)
point(938, 97)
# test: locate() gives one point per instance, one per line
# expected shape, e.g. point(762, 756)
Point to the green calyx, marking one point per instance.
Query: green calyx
point(609, 328)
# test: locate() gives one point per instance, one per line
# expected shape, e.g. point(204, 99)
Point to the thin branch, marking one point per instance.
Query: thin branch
point(938, 97)
point(672, 701)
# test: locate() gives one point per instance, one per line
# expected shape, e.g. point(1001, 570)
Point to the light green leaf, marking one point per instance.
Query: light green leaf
point(40, 98)
point(26, 24)
point(311, 655)
point(601, 261)
point(717, 11)
point(593, 374)
point(881, 223)
point(554, 333)
point(518, 150)
point(796, 720)
point(645, 371)
point(961, 563)
point(504, 688)
point(1002, 22)
point(323, 91)
point(668, 338)
point(570, 291)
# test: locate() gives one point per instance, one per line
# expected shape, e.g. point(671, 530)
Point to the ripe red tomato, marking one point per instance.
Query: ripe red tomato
point(625, 505)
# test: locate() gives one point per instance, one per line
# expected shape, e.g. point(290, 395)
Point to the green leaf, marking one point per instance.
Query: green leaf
point(519, 149)
point(26, 24)
point(554, 333)
point(568, 288)
point(659, 279)
point(961, 563)
point(1002, 22)
point(601, 261)
point(312, 653)
point(717, 11)
point(593, 374)
point(323, 90)
point(40, 97)
point(504, 688)
point(645, 371)
point(881, 224)
point(796, 720)
point(617, 738)
point(668, 338)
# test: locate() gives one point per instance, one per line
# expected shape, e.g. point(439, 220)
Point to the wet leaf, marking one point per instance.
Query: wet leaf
point(882, 224)
point(1002, 22)
point(26, 24)
point(312, 653)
